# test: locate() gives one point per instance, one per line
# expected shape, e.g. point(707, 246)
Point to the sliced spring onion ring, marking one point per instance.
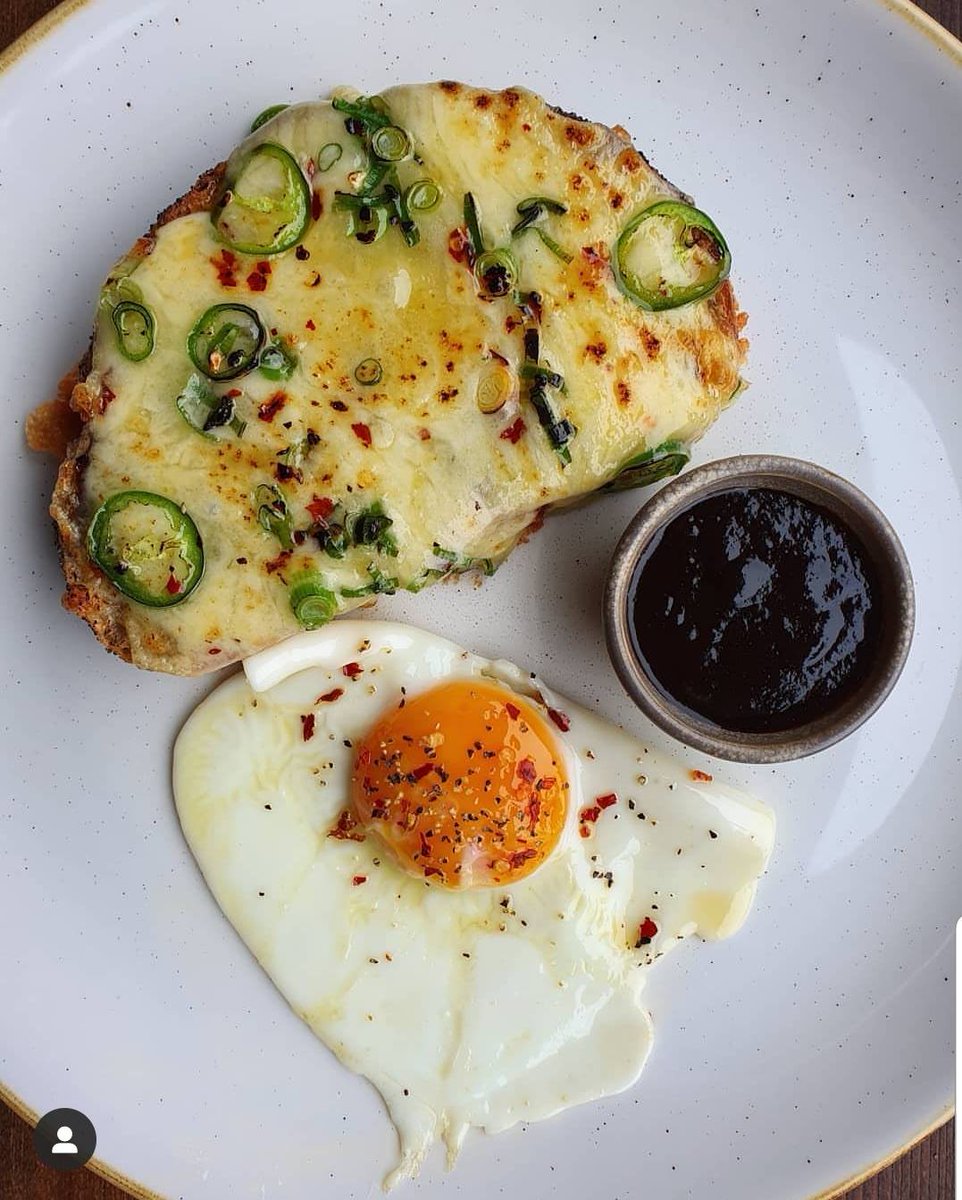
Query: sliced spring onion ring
point(265, 205)
point(268, 114)
point(368, 372)
point(312, 603)
point(391, 143)
point(225, 341)
point(328, 155)
point(496, 272)
point(276, 361)
point(496, 386)
point(653, 465)
point(134, 324)
point(423, 196)
point(669, 255)
point(148, 547)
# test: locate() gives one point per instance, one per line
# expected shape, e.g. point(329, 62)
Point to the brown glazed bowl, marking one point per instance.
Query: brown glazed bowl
point(848, 505)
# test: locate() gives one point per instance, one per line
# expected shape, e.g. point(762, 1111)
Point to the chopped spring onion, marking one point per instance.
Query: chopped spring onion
point(533, 208)
point(458, 563)
point(134, 324)
point(268, 114)
point(273, 513)
point(204, 411)
point(312, 603)
point(225, 341)
point(391, 143)
point(328, 155)
point(371, 527)
point(473, 225)
point(148, 547)
point(653, 465)
point(265, 204)
point(276, 362)
point(496, 272)
point(423, 196)
point(668, 255)
point(380, 584)
point(368, 219)
point(369, 111)
point(368, 372)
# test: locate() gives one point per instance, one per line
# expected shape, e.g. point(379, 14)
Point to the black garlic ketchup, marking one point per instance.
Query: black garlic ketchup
point(756, 609)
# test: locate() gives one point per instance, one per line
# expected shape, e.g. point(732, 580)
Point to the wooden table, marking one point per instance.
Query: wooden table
point(924, 1173)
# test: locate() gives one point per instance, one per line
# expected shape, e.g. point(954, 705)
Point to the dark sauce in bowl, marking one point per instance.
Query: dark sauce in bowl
point(757, 610)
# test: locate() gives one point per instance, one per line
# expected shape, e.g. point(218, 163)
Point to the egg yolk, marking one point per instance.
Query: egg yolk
point(465, 783)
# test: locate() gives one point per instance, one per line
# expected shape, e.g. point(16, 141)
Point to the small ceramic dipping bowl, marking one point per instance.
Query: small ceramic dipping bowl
point(892, 594)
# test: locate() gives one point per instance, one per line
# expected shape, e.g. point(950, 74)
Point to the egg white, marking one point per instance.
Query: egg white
point(478, 1008)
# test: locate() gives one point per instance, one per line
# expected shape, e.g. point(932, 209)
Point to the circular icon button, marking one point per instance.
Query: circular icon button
point(64, 1139)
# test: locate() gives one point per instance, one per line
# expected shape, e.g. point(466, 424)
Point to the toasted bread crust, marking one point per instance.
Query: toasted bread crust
point(89, 593)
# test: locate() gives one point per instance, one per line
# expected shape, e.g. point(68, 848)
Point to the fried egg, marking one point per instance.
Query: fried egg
point(453, 875)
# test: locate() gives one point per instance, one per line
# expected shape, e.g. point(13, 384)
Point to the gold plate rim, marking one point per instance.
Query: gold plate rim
point(943, 40)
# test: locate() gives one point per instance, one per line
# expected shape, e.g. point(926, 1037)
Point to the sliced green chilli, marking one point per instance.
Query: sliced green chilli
point(328, 155)
point(148, 547)
point(312, 603)
point(267, 115)
point(650, 467)
point(276, 361)
point(265, 205)
point(134, 325)
point(424, 195)
point(669, 255)
point(226, 341)
point(496, 272)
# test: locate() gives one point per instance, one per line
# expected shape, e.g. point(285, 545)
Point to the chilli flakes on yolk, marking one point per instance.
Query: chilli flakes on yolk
point(465, 783)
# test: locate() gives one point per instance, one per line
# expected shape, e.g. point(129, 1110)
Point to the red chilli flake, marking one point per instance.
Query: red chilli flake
point(172, 586)
point(106, 395)
point(275, 564)
point(607, 800)
point(330, 697)
point(429, 871)
point(346, 828)
point(352, 670)
point(272, 406)
point(513, 433)
point(307, 726)
point(699, 776)
point(421, 771)
point(513, 711)
point(560, 719)
point(320, 507)
point(317, 205)
point(527, 770)
point(646, 931)
point(214, 650)
point(225, 265)
point(534, 811)
point(257, 282)
point(459, 246)
point(521, 856)
point(358, 880)
point(309, 324)
point(362, 432)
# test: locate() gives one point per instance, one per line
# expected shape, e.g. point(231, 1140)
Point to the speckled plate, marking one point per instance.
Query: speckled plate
point(824, 138)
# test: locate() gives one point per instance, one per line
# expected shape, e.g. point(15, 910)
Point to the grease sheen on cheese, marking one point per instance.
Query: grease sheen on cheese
point(415, 441)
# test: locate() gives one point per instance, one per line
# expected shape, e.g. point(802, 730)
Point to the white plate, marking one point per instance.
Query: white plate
point(824, 138)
